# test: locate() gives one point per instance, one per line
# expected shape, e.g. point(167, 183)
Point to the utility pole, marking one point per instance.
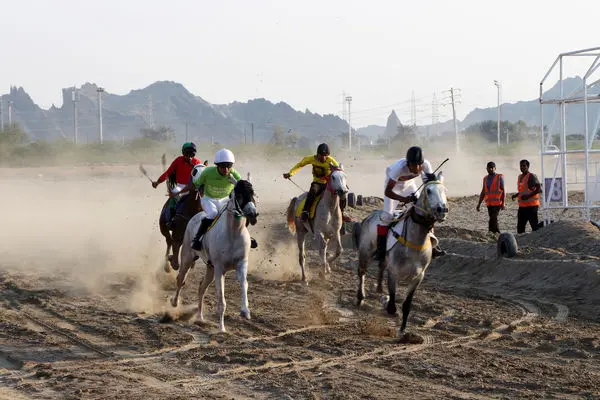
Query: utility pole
point(10, 104)
point(499, 88)
point(349, 100)
point(75, 98)
point(452, 97)
point(252, 125)
point(100, 91)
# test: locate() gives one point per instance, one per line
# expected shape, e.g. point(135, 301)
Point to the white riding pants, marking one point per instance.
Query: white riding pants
point(404, 189)
point(211, 206)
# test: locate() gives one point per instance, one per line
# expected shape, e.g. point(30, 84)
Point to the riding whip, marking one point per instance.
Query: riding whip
point(143, 171)
point(290, 179)
point(434, 171)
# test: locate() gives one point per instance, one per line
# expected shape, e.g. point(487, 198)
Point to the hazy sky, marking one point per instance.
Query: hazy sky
point(302, 52)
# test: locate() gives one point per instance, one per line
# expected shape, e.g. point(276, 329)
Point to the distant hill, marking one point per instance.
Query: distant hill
point(529, 111)
point(170, 104)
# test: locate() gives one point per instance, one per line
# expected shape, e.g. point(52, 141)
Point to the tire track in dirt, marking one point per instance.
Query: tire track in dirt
point(69, 333)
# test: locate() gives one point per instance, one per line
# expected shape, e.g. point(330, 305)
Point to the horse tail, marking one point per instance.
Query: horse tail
point(291, 211)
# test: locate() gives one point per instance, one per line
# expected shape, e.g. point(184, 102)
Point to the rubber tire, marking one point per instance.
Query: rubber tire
point(351, 200)
point(359, 200)
point(507, 245)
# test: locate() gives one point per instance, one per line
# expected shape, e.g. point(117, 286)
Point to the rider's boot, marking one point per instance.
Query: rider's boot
point(197, 243)
point(382, 231)
point(310, 199)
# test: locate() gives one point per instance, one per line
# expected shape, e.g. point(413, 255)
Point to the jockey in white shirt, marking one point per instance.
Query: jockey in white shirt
point(401, 186)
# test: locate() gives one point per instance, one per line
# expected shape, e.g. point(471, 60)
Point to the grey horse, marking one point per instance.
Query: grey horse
point(226, 246)
point(326, 224)
point(409, 246)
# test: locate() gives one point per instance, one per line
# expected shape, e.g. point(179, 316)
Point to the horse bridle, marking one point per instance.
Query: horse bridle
point(427, 219)
point(238, 211)
point(328, 185)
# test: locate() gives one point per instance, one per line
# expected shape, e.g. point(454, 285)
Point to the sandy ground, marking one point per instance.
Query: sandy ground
point(82, 294)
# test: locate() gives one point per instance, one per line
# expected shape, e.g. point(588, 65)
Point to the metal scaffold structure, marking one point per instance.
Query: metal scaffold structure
point(569, 159)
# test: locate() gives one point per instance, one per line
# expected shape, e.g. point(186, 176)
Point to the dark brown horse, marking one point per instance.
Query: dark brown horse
point(188, 206)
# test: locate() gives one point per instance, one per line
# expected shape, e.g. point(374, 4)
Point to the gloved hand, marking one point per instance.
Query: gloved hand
point(154, 184)
point(412, 198)
point(286, 176)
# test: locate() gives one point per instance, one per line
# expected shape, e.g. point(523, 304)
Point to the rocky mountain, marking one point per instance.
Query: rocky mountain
point(169, 104)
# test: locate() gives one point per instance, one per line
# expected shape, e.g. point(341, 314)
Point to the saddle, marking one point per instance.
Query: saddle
point(313, 207)
point(397, 231)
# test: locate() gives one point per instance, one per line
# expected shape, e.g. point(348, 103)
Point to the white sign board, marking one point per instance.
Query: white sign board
point(557, 190)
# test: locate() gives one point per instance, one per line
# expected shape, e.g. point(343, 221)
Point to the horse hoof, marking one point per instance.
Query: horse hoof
point(245, 315)
point(174, 302)
point(383, 299)
point(411, 338)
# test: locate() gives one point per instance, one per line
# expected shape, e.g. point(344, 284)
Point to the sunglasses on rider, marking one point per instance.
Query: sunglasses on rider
point(225, 165)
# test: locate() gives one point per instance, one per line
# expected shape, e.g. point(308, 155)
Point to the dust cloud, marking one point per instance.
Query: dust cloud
point(89, 227)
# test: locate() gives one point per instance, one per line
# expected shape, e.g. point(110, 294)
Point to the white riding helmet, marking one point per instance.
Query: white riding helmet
point(196, 172)
point(224, 155)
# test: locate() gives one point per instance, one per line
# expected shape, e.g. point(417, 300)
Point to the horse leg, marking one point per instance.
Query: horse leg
point(301, 255)
point(338, 248)
point(363, 261)
point(221, 303)
point(391, 299)
point(165, 232)
point(181, 275)
point(177, 239)
point(323, 254)
point(209, 276)
point(407, 303)
point(242, 272)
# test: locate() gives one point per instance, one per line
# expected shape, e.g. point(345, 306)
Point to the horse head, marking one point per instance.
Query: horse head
point(243, 196)
point(337, 181)
point(432, 201)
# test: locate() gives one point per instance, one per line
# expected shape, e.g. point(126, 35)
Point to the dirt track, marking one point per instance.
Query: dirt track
point(520, 328)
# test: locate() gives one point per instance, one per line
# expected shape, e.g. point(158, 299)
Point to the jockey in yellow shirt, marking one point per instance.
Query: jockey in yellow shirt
point(321, 169)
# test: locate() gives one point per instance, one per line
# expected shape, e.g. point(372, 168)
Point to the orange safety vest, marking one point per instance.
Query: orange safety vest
point(493, 194)
point(524, 188)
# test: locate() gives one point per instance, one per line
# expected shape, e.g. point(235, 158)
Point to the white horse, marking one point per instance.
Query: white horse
point(410, 243)
point(225, 246)
point(326, 224)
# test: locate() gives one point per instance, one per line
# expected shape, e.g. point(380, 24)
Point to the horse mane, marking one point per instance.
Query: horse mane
point(243, 186)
